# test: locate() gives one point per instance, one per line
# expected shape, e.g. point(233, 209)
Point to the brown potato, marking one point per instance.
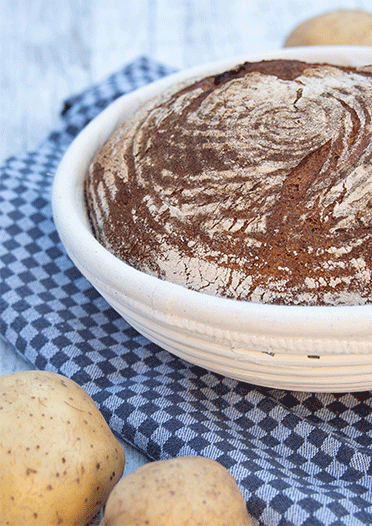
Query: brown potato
point(192, 491)
point(340, 27)
point(59, 459)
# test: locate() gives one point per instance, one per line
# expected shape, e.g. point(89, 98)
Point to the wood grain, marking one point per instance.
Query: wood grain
point(52, 49)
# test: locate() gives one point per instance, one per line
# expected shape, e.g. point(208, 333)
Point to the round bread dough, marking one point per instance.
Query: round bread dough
point(254, 184)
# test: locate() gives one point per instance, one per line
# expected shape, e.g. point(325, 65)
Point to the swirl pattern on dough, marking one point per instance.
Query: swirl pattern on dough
point(255, 185)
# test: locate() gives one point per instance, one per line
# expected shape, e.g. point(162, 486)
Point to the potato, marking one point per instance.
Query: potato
point(58, 458)
point(340, 27)
point(192, 491)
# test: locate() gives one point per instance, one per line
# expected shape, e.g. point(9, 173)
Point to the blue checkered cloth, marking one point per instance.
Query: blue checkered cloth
point(300, 459)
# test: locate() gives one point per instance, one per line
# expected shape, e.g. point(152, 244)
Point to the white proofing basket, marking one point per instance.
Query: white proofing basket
point(301, 348)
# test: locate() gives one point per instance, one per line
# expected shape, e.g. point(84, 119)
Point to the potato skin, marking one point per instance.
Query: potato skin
point(339, 27)
point(192, 491)
point(58, 458)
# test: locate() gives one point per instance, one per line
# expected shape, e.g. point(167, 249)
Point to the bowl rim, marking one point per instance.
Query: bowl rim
point(108, 273)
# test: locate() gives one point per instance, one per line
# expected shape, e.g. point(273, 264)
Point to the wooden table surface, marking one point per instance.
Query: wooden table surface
point(51, 49)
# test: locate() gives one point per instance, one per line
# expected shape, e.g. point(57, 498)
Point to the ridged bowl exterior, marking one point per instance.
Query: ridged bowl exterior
point(323, 349)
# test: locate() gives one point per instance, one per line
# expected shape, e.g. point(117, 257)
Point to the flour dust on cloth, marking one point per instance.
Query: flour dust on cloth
point(299, 458)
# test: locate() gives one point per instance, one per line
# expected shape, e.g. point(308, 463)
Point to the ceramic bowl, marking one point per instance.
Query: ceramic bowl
point(321, 349)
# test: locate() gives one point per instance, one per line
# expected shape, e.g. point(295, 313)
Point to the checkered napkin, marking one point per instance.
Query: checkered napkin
point(299, 458)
